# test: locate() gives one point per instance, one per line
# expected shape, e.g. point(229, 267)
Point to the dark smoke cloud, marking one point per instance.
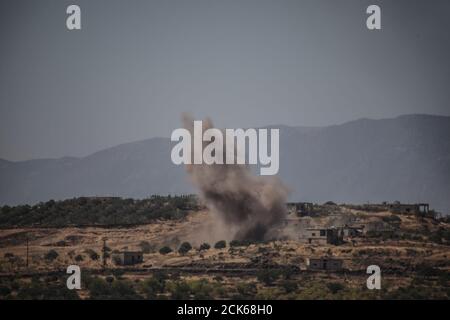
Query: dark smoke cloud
point(249, 204)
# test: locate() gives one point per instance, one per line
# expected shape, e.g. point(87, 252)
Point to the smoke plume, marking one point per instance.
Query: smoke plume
point(248, 205)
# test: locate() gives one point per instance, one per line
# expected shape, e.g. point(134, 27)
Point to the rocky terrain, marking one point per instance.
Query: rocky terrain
point(412, 252)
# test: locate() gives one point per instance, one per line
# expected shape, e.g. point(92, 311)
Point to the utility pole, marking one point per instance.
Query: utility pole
point(104, 252)
point(27, 250)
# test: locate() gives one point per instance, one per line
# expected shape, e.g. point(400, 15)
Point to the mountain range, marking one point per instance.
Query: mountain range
point(405, 158)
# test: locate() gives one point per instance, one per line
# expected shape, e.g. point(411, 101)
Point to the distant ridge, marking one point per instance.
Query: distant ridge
point(405, 158)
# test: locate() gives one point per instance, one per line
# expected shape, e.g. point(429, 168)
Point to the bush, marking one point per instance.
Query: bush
point(220, 244)
point(118, 273)
point(110, 289)
point(92, 254)
point(165, 250)
point(79, 258)
point(116, 260)
point(51, 255)
point(335, 287)
point(145, 247)
point(267, 276)
point(98, 288)
point(4, 291)
point(38, 290)
point(61, 243)
point(246, 290)
point(9, 255)
point(289, 286)
point(184, 248)
point(201, 289)
point(287, 273)
point(123, 289)
point(239, 243)
point(154, 285)
point(204, 246)
point(179, 290)
point(427, 271)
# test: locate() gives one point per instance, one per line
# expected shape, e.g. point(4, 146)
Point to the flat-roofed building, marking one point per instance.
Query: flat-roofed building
point(128, 257)
point(323, 236)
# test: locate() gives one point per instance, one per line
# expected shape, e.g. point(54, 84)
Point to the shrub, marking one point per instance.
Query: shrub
point(154, 285)
point(165, 250)
point(99, 288)
point(116, 260)
point(267, 276)
point(436, 238)
point(220, 244)
point(4, 291)
point(218, 278)
point(287, 273)
point(201, 289)
point(118, 273)
point(179, 290)
point(289, 286)
point(36, 290)
point(335, 287)
point(204, 246)
point(184, 248)
point(92, 254)
point(51, 255)
point(246, 290)
point(123, 289)
point(239, 243)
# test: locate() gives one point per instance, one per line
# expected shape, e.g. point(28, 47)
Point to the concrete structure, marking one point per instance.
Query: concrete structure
point(323, 236)
point(416, 208)
point(324, 263)
point(399, 208)
point(352, 231)
point(128, 257)
point(301, 208)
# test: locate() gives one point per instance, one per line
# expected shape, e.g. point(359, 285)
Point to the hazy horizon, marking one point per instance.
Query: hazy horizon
point(267, 125)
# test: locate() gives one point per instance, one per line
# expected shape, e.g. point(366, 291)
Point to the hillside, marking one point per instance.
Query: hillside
point(412, 253)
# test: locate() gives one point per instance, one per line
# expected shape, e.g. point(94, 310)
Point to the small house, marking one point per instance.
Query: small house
point(352, 231)
point(128, 257)
point(323, 236)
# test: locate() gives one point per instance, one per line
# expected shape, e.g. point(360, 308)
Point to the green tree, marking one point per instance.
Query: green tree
point(335, 287)
point(267, 276)
point(179, 290)
point(165, 250)
point(92, 254)
point(220, 244)
point(51, 255)
point(184, 248)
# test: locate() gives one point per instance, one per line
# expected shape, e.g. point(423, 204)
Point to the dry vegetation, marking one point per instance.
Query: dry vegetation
point(413, 253)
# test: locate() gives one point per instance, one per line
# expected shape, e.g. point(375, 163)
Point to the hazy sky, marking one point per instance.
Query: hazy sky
point(137, 65)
